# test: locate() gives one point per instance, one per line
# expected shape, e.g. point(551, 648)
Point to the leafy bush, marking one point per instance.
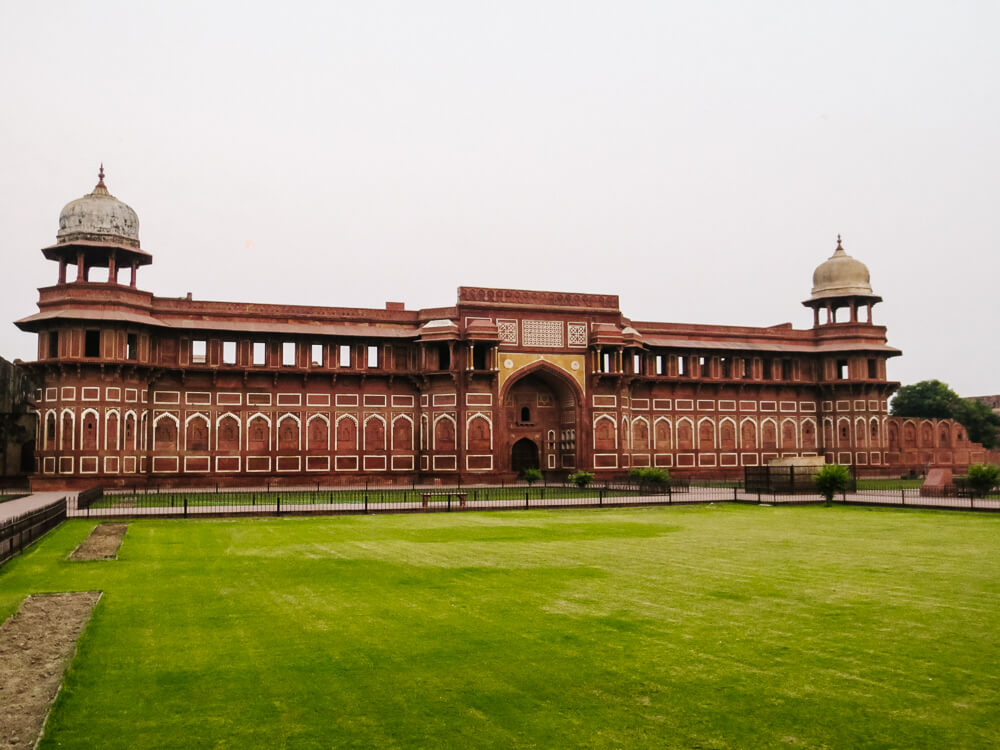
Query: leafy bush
point(581, 478)
point(531, 475)
point(650, 477)
point(831, 479)
point(983, 478)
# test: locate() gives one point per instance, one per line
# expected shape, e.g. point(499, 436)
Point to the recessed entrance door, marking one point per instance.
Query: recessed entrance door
point(524, 455)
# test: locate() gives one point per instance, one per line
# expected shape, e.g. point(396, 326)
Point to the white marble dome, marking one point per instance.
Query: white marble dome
point(840, 275)
point(98, 217)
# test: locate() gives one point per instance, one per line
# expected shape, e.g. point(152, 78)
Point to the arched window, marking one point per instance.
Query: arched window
point(525, 414)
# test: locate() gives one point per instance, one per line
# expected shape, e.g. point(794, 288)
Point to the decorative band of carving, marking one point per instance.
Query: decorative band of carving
point(525, 297)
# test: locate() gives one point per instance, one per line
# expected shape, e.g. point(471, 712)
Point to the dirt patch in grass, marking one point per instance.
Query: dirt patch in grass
point(102, 544)
point(36, 645)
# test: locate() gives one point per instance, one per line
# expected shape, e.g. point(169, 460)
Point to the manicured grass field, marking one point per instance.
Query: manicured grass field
point(711, 626)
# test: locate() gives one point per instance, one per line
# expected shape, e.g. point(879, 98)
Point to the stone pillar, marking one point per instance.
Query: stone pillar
point(62, 270)
point(112, 269)
point(81, 268)
point(132, 282)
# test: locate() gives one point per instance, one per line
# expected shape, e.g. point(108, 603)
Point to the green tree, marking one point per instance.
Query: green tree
point(983, 478)
point(980, 421)
point(933, 399)
point(581, 478)
point(531, 475)
point(831, 479)
point(928, 398)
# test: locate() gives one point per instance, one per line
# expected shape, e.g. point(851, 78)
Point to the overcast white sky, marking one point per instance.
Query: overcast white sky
point(697, 159)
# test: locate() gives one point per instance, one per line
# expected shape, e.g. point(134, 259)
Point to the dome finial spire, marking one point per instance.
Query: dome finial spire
point(839, 246)
point(100, 176)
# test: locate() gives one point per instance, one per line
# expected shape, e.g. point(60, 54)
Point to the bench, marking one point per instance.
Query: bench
point(460, 496)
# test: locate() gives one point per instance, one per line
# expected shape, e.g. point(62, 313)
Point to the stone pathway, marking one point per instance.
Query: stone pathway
point(14, 508)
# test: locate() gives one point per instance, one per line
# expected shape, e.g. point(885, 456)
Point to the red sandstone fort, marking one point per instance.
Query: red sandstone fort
point(137, 388)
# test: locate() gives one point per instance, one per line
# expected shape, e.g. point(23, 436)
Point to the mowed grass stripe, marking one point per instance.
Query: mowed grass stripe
point(720, 626)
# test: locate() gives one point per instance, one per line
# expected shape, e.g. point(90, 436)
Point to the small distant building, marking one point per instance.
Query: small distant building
point(134, 388)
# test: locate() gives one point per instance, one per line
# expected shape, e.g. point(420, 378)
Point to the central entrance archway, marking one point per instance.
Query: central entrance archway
point(540, 419)
point(524, 455)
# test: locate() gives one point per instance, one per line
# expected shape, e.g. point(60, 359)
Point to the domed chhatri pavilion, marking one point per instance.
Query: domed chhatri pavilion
point(139, 388)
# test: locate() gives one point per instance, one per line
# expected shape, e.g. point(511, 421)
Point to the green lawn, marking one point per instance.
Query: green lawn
point(710, 626)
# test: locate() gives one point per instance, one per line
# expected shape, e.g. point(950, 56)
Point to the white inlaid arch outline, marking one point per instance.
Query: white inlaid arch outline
point(135, 430)
point(736, 433)
point(97, 426)
point(670, 433)
point(437, 419)
point(392, 432)
point(72, 429)
point(756, 434)
point(715, 434)
point(802, 433)
point(841, 421)
point(239, 427)
point(649, 434)
point(614, 426)
point(364, 431)
point(486, 418)
point(45, 430)
point(336, 430)
point(322, 418)
point(177, 427)
point(876, 440)
point(208, 426)
point(795, 433)
point(250, 421)
point(298, 432)
point(677, 436)
point(118, 429)
point(864, 432)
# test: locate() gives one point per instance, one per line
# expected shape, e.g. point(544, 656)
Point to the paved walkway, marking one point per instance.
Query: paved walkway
point(13, 508)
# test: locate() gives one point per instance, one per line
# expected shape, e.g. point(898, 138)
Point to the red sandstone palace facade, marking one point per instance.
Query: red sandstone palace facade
point(138, 388)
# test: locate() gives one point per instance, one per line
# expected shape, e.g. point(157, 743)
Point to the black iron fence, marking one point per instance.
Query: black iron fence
point(379, 497)
point(88, 497)
point(888, 496)
point(19, 532)
point(391, 497)
point(13, 487)
point(785, 479)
